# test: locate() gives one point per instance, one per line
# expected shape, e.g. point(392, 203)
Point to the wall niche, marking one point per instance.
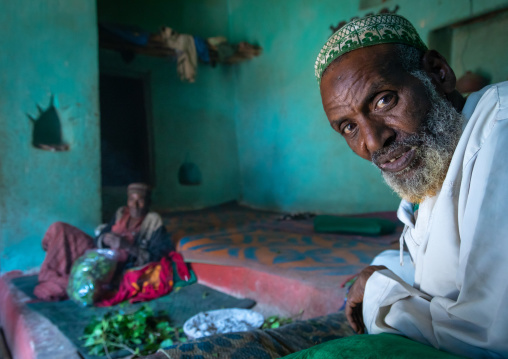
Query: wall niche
point(47, 129)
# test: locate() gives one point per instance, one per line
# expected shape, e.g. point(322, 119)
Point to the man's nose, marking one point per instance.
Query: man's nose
point(376, 135)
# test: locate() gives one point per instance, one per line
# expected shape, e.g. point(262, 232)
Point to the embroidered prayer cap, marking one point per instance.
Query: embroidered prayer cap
point(141, 188)
point(367, 31)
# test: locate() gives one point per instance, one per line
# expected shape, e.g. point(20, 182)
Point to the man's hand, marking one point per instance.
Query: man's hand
point(355, 299)
point(113, 241)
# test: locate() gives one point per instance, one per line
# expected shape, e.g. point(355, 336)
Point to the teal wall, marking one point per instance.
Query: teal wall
point(290, 159)
point(48, 48)
point(256, 130)
point(263, 119)
point(191, 122)
point(470, 51)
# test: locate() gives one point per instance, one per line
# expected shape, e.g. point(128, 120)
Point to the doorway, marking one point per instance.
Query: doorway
point(125, 138)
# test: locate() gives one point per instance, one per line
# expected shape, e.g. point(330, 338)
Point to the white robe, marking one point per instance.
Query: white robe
point(459, 247)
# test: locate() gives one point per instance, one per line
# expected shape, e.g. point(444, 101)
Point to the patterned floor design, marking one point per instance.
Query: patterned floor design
point(232, 235)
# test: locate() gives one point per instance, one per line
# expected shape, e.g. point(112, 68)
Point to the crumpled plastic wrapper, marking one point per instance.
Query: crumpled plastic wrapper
point(222, 321)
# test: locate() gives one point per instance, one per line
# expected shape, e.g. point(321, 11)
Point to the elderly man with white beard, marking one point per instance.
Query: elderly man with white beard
point(395, 103)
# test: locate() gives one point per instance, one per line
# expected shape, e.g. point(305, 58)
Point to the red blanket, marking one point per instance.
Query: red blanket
point(63, 244)
point(149, 282)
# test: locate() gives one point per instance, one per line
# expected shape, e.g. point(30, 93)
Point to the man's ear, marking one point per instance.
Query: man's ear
point(439, 71)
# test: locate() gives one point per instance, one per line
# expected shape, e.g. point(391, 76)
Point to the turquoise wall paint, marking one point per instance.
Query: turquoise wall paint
point(257, 130)
point(471, 52)
point(191, 122)
point(290, 159)
point(48, 48)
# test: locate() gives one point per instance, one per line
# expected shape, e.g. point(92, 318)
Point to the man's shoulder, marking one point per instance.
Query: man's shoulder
point(482, 110)
point(152, 214)
point(502, 90)
point(495, 95)
point(153, 217)
point(151, 223)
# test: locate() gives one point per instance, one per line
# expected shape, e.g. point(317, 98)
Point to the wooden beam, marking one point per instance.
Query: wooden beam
point(155, 47)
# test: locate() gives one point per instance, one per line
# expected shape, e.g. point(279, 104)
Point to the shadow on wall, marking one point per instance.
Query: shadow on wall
point(47, 129)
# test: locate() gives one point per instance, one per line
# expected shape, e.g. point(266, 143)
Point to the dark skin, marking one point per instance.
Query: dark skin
point(373, 103)
point(354, 302)
point(138, 205)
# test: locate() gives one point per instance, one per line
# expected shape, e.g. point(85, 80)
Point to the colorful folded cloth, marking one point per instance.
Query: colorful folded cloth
point(150, 281)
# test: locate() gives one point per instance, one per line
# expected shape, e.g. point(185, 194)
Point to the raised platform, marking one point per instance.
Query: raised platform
point(282, 264)
point(29, 334)
point(39, 329)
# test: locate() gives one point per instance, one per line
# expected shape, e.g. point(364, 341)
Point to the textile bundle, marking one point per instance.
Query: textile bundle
point(188, 48)
point(187, 60)
point(150, 281)
point(63, 244)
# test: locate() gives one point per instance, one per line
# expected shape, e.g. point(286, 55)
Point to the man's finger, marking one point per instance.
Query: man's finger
point(359, 315)
point(349, 317)
point(357, 319)
point(362, 324)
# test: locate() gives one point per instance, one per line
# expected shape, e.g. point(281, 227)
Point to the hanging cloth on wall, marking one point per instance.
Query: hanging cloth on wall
point(202, 49)
point(187, 60)
point(224, 52)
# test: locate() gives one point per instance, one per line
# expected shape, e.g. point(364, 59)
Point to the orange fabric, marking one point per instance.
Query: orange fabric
point(148, 282)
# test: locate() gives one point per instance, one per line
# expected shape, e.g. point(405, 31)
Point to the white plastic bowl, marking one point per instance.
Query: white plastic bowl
point(222, 321)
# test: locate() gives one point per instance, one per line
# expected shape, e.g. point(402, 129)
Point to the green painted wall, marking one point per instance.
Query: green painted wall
point(290, 159)
point(48, 48)
point(191, 122)
point(471, 52)
point(257, 129)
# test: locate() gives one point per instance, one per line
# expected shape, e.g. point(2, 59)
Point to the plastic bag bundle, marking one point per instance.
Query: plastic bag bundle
point(90, 273)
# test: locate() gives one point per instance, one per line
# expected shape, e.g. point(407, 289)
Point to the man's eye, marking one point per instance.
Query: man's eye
point(384, 101)
point(348, 129)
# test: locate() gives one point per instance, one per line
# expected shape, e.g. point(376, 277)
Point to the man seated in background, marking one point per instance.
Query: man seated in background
point(395, 104)
point(137, 234)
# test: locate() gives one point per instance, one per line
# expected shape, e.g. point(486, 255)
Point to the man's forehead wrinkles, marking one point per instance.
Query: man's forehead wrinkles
point(363, 89)
point(339, 106)
point(339, 100)
point(349, 94)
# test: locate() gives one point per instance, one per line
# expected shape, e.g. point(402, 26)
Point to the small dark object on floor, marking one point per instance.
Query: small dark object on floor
point(296, 216)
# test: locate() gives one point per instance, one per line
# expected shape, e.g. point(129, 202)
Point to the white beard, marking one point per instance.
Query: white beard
point(438, 139)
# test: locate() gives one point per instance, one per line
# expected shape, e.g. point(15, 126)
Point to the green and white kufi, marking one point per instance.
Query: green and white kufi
point(367, 31)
